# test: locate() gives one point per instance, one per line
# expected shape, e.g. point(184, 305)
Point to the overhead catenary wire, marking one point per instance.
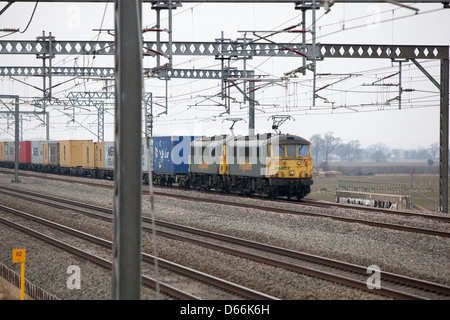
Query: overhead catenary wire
point(86, 83)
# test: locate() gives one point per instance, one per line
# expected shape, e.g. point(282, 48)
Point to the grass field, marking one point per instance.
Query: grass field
point(425, 187)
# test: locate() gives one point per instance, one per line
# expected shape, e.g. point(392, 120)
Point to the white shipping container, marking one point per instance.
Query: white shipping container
point(109, 155)
point(104, 155)
point(9, 151)
point(37, 152)
point(145, 154)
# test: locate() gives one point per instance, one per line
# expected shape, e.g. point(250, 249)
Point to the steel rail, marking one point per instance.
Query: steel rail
point(442, 217)
point(94, 259)
point(221, 283)
point(290, 211)
point(393, 278)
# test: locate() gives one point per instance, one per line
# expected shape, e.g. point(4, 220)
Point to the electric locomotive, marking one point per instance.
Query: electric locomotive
point(270, 165)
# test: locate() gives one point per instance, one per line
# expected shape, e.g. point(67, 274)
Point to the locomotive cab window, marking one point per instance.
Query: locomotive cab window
point(291, 150)
point(303, 150)
point(281, 151)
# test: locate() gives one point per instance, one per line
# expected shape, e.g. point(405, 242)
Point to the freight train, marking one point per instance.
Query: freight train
point(265, 164)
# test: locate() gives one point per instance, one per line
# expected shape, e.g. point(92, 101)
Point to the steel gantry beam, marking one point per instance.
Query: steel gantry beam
point(236, 49)
point(108, 72)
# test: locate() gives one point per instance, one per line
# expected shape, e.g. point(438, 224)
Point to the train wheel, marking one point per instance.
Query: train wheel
point(273, 193)
point(300, 194)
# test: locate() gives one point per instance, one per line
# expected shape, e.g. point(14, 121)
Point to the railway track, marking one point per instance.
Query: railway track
point(227, 290)
point(440, 217)
point(303, 202)
point(267, 208)
point(395, 286)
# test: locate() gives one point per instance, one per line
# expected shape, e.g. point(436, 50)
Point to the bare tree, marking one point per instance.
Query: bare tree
point(316, 146)
point(396, 153)
point(434, 150)
point(342, 151)
point(354, 150)
point(378, 152)
point(329, 144)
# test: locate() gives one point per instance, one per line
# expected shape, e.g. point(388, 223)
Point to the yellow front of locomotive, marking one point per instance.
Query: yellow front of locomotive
point(290, 160)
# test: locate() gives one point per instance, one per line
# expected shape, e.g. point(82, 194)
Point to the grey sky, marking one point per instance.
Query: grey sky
point(350, 108)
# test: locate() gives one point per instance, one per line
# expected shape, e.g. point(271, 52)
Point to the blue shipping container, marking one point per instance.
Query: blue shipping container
point(171, 154)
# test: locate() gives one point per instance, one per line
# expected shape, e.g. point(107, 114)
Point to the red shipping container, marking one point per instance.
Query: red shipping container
point(24, 151)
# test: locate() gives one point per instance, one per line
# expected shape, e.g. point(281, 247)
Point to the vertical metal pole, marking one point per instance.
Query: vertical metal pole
point(22, 281)
point(443, 141)
point(16, 140)
point(170, 33)
point(400, 85)
point(50, 57)
point(48, 126)
point(158, 37)
point(304, 37)
point(148, 138)
point(222, 93)
point(21, 128)
point(127, 169)
point(314, 6)
point(44, 100)
point(251, 110)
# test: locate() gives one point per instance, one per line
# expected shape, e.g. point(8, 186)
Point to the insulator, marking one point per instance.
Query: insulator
point(9, 30)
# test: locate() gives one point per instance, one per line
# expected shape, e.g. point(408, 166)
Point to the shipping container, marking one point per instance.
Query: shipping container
point(37, 152)
point(88, 155)
point(24, 151)
point(171, 154)
point(45, 152)
point(2, 151)
point(104, 155)
point(9, 151)
point(145, 154)
point(70, 153)
point(51, 153)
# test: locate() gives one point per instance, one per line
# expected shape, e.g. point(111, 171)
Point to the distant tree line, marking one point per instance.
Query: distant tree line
point(329, 147)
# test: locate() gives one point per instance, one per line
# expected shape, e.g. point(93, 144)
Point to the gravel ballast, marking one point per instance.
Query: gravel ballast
point(415, 255)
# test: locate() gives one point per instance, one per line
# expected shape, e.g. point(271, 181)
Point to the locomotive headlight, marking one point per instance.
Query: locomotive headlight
point(291, 172)
point(284, 163)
